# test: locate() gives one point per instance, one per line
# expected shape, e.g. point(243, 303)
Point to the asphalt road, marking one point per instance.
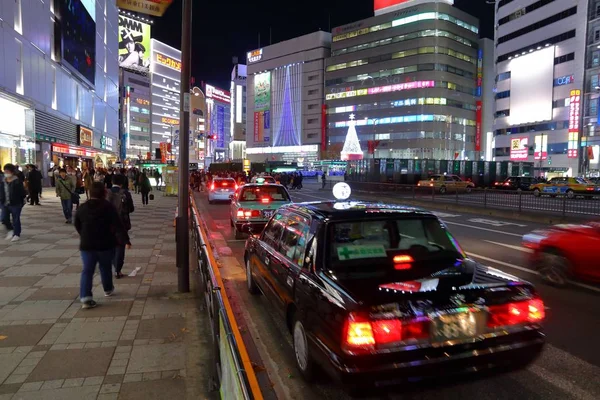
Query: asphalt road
point(568, 369)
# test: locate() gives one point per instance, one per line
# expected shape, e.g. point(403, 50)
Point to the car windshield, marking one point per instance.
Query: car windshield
point(373, 244)
point(264, 193)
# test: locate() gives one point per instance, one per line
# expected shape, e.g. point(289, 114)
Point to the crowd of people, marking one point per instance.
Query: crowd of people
point(199, 179)
point(102, 221)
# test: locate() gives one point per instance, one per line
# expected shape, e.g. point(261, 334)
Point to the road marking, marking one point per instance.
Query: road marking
point(510, 246)
point(444, 215)
point(505, 264)
point(484, 229)
point(530, 271)
point(497, 224)
point(561, 383)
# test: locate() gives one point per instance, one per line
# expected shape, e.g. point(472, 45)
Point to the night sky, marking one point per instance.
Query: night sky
point(224, 29)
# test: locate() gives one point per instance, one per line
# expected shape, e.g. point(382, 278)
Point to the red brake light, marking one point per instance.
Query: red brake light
point(507, 184)
point(359, 333)
point(589, 188)
point(403, 258)
point(265, 200)
point(240, 213)
point(212, 186)
point(516, 313)
point(387, 331)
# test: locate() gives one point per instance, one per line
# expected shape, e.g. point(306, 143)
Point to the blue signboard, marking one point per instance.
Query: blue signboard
point(220, 127)
point(564, 80)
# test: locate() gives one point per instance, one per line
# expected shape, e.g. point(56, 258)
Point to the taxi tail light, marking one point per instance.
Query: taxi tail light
point(241, 213)
point(265, 200)
point(522, 312)
point(362, 334)
point(591, 189)
point(402, 262)
point(212, 186)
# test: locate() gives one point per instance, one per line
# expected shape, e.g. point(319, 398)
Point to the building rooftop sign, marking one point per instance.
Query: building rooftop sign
point(254, 56)
point(218, 94)
point(386, 6)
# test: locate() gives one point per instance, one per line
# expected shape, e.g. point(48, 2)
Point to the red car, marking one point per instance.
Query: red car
point(565, 251)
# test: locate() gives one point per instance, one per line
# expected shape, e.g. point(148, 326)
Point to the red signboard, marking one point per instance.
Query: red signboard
point(257, 127)
point(324, 127)
point(72, 150)
point(381, 4)
point(519, 148)
point(85, 136)
point(163, 152)
point(574, 117)
point(478, 126)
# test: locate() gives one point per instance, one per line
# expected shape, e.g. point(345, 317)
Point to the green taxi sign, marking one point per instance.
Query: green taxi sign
point(346, 253)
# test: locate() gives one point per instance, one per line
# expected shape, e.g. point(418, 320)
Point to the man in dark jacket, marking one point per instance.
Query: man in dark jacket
point(100, 231)
point(12, 198)
point(121, 199)
point(34, 184)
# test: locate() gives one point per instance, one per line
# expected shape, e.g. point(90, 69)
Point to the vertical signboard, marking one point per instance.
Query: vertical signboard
point(574, 116)
point(220, 127)
point(324, 127)
point(478, 126)
point(479, 72)
point(519, 149)
point(541, 147)
point(262, 107)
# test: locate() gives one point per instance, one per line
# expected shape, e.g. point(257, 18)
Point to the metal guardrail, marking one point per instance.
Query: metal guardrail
point(558, 204)
point(233, 374)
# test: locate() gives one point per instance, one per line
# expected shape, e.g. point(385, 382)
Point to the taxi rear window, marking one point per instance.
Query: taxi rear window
point(380, 240)
point(260, 193)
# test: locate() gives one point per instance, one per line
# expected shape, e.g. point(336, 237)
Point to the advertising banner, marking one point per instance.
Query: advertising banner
point(266, 125)
point(262, 91)
point(574, 117)
point(541, 147)
point(151, 7)
point(134, 43)
point(479, 72)
point(258, 127)
point(519, 149)
point(85, 136)
point(220, 127)
point(163, 152)
point(478, 126)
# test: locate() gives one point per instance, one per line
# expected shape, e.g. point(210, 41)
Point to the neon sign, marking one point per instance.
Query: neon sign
point(381, 89)
point(574, 116)
point(218, 94)
point(254, 56)
point(168, 61)
point(519, 149)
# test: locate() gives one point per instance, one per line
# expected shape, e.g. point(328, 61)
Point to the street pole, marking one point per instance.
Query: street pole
point(182, 222)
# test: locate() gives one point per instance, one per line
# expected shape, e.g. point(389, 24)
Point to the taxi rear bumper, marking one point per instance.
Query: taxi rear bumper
point(508, 352)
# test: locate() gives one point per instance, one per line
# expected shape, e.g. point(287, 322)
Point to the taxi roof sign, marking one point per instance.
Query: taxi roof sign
point(260, 180)
point(341, 191)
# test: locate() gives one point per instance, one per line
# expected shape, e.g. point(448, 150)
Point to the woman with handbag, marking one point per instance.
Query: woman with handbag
point(65, 189)
point(145, 188)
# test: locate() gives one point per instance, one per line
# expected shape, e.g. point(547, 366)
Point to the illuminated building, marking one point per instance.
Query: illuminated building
point(540, 54)
point(135, 115)
point(409, 75)
point(218, 124)
point(237, 147)
point(590, 140)
point(58, 97)
point(285, 99)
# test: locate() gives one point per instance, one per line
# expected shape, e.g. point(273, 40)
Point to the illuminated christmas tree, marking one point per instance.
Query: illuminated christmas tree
point(352, 150)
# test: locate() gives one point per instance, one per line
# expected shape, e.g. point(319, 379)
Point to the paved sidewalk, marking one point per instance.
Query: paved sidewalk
point(146, 342)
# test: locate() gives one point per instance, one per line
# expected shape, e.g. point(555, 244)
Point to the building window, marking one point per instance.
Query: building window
point(547, 42)
point(565, 58)
point(19, 66)
point(312, 77)
point(54, 106)
point(313, 106)
point(312, 120)
point(313, 91)
point(538, 25)
point(18, 17)
point(503, 95)
point(502, 113)
point(522, 11)
point(503, 76)
point(77, 98)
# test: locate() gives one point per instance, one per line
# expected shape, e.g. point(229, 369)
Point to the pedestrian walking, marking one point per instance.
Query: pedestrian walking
point(100, 231)
point(324, 180)
point(120, 197)
point(12, 199)
point(145, 188)
point(65, 187)
point(88, 180)
point(34, 184)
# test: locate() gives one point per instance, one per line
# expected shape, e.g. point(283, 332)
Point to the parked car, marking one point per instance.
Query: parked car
point(447, 183)
point(380, 293)
point(221, 189)
point(517, 183)
point(566, 251)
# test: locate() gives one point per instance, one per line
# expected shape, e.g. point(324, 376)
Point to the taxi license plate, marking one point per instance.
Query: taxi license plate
point(455, 326)
point(267, 213)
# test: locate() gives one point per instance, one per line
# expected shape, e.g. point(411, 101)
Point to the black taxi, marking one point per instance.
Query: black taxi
point(381, 294)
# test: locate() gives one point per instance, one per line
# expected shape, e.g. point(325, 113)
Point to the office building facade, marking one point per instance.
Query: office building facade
point(59, 98)
point(540, 61)
point(285, 99)
point(406, 81)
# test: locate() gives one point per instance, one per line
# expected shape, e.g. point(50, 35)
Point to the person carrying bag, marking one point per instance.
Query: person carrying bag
point(65, 189)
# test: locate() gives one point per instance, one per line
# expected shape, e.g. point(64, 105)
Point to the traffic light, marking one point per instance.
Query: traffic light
point(211, 137)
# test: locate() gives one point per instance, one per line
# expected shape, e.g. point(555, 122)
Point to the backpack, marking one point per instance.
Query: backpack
point(119, 201)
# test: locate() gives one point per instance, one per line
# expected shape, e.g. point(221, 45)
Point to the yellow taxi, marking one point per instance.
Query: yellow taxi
point(567, 186)
point(447, 183)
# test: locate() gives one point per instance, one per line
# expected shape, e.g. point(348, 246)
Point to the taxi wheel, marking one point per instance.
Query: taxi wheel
point(554, 268)
point(252, 288)
point(536, 192)
point(443, 190)
point(570, 194)
point(469, 189)
point(303, 359)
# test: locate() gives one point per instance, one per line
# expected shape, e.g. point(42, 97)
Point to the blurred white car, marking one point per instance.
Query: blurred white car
point(221, 189)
